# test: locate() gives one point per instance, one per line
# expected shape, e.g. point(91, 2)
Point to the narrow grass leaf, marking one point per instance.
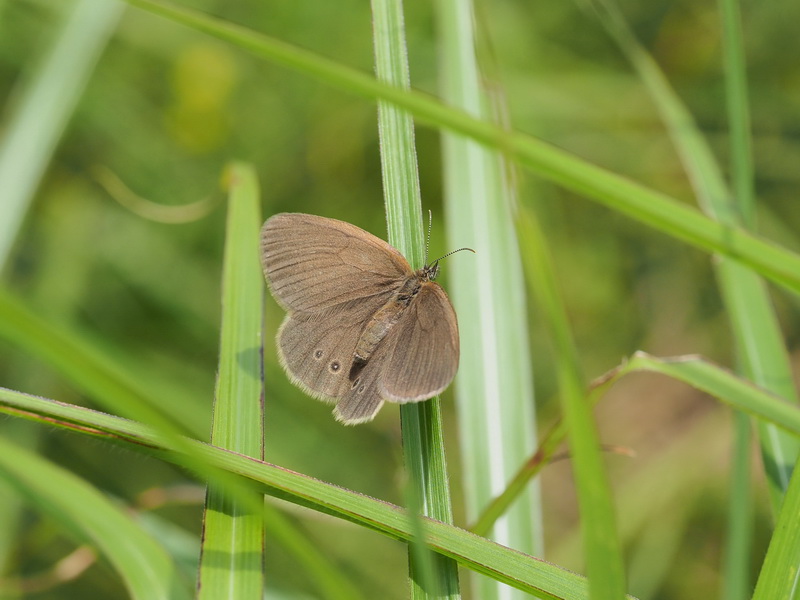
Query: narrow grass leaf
point(232, 558)
point(146, 569)
point(737, 552)
point(598, 523)
point(423, 445)
point(738, 543)
point(738, 105)
point(44, 105)
point(704, 375)
point(764, 359)
point(780, 577)
point(522, 571)
point(76, 356)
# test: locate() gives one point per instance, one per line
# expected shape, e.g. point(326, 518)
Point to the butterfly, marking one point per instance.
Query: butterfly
point(362, 327)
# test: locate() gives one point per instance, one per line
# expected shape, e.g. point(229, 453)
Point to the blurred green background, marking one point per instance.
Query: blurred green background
point(166, 108)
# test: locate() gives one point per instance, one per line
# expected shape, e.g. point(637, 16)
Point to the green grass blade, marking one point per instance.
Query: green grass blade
point(652, 208)
point(738, 105)
point(765, 358)
point(735, 391)
point(519, 570)
point(780, 578)
point(396, 129)
point(780, 564)
point(85, 363)
point(232, 558)
point(423, 443)
point(329, 577)
point(759, 340)
point(598, 523)
point(146, 569)
point(494, 388)
point(739, 542)
point(44, 107)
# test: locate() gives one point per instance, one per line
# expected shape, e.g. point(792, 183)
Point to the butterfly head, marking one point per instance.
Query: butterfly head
point(431, 271)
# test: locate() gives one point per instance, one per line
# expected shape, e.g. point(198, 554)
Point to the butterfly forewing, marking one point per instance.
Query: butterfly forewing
point(424, 359)
point(313, 263)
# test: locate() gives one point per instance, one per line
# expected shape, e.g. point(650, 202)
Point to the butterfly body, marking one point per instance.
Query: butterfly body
point(362, 327)
point(384, 319)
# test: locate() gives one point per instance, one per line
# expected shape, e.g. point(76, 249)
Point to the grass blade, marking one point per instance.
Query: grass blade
point(780, 578)
point(519, 570)
point(145, 567)
point(45, 106)
point(735, 391)
point(423, 444)
point(737, 556)
point(598, 524)
point(232, 558)
point(738, 105)
point(739, 543)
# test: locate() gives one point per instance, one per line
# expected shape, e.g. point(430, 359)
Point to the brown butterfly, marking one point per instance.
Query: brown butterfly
point(362, 326)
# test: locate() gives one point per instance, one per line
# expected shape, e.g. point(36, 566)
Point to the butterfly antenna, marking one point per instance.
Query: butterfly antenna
point(428, 240)
point(453, 252)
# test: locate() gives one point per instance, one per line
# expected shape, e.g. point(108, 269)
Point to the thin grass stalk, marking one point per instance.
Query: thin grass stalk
point(736, 584)
point(232, 556)
point(738, 109)
point(601, 542)
point(780, 578)
point(737, 552)
point(423, 444)
point(44, 106)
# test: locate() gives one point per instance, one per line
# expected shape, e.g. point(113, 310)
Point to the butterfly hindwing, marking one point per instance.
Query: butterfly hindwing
point(363, 400)
point(316, 348)
point(416, 361)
